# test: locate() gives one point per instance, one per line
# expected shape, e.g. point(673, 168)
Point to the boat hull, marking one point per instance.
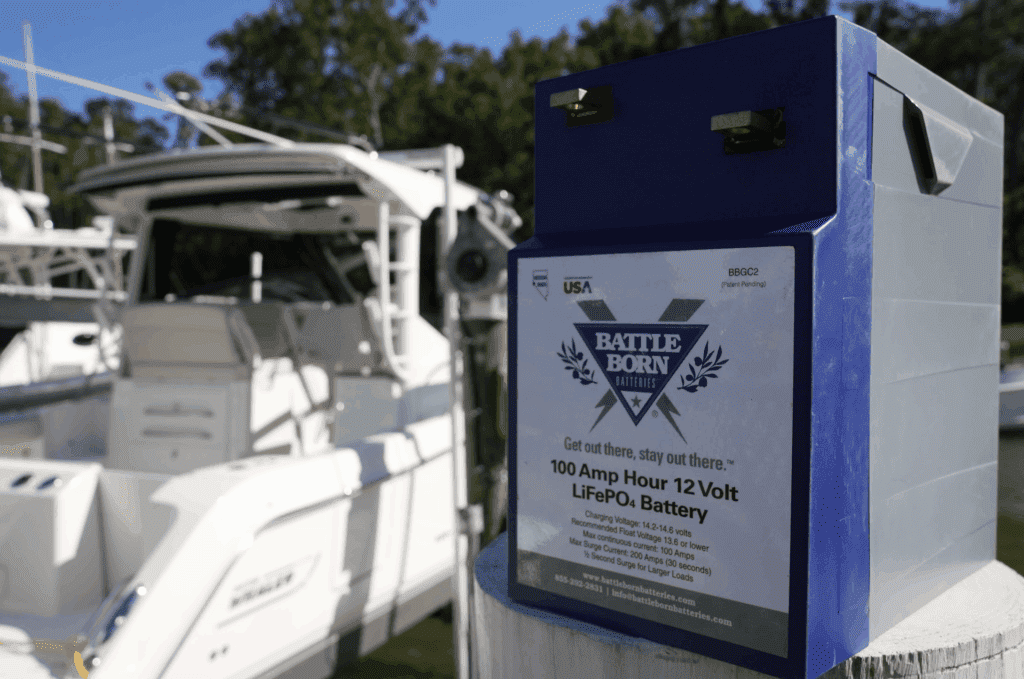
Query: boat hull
point(262, 567)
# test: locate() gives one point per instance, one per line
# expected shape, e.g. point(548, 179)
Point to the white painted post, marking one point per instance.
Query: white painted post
point(974, 629)
point(407, 277)
point(256, 273)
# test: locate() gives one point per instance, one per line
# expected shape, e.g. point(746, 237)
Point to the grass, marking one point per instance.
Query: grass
point(1010, 542)
point(422, 652)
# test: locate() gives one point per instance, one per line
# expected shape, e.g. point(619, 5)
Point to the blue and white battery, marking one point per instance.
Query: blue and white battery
point(754, 346)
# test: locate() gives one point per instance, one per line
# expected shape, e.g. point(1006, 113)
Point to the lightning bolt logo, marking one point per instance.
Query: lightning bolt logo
point(667, 409)
point(607, 401)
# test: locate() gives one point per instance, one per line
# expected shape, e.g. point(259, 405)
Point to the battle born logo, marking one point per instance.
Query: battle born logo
point(639, 359)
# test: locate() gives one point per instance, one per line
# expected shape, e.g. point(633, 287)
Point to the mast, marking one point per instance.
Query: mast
point(33, 110)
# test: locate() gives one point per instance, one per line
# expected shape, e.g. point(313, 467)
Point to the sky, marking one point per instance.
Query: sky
point(125, 43)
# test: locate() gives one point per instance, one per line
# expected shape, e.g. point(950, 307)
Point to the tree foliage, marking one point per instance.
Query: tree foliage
point(82, 134)
point(360, 67)
point(329, 62)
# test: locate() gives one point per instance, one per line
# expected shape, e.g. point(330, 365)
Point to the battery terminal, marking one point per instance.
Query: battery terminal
point(748, 131)
point(585, 106)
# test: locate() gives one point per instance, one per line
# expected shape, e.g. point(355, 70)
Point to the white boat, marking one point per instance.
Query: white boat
point(55, 357)
point(1011, 398)
point(49, 332)
point(267, 487)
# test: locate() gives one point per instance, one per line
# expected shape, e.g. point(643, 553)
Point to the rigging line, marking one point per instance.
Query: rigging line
point(187, 115)
point(148, 101)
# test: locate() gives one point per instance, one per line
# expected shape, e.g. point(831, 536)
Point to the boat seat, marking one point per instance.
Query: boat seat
point(197, 389)
point(340, 337)
point(276, 331)
point(268, 323)
point(183, 398)
point(188, 341)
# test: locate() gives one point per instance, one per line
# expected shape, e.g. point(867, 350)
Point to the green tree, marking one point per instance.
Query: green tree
point(10, 109)
point(788, 11)
point(82, 135)
point(354, 67)
point(184, 88)
point(486, 106)
point(328, 62)
point(624, 34)
point(684, 23)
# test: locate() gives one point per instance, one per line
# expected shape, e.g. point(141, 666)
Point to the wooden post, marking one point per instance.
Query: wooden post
point(974, 629)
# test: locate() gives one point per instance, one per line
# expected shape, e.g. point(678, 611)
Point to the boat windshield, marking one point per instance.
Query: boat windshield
point(187, 261)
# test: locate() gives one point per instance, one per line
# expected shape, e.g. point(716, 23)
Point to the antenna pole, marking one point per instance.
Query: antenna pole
point(108, 134)
point(33, 109)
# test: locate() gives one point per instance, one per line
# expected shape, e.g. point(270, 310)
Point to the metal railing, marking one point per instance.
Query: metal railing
point(29, 396)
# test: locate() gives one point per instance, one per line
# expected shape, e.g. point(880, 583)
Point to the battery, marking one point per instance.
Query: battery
point(753, 346)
